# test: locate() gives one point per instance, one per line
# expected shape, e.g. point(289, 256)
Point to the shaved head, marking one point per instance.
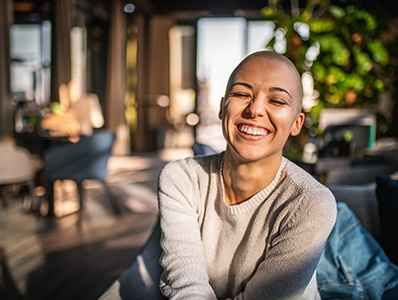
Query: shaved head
point(272, 56)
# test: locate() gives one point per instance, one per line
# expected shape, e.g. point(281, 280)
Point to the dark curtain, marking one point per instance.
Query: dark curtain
point(6, 108)
point(117, 79)
point(61, 43)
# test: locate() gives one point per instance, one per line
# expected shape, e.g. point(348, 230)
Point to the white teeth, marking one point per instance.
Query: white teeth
point(253, 131)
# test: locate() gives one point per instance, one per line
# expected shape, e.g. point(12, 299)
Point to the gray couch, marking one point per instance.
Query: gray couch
point(362, 200)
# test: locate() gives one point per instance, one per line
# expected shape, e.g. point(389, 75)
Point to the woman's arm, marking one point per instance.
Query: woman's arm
point(291, 261)
point(185, 275)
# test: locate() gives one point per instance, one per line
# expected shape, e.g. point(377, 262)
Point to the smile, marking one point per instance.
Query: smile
point(254, 131)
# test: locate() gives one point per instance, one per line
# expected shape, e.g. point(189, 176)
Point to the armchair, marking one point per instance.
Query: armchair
point(86, 159)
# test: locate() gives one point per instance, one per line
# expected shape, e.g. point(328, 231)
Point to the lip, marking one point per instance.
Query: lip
point(252, 128)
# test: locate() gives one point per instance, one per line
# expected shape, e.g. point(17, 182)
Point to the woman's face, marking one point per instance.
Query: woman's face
point(261, 110)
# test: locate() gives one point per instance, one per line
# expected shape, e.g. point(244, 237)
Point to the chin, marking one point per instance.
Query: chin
point(246, 155)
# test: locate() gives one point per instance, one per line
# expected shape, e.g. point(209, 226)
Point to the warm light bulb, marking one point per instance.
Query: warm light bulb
point(192, 119)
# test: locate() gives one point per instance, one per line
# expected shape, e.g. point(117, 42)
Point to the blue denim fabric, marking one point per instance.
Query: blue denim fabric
point(353, 265)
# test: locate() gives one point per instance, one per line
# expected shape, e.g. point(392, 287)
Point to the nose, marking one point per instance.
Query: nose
point(256, 108)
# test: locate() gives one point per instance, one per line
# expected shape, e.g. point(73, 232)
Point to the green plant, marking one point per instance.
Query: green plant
point(342, 48)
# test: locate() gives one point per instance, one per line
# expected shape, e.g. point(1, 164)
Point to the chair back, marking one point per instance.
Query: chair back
point(15, 164)
point(86, 159)
point(202, 149)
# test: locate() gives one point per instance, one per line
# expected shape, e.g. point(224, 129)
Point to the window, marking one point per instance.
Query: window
point(222, 44)
point(30, 50)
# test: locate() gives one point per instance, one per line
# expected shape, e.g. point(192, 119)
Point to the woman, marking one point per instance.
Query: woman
point(246, 223)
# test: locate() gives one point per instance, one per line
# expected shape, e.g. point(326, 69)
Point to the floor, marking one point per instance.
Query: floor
point(72, 257)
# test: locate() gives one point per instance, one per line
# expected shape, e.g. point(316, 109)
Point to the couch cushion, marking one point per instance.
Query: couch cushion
point(361, 199)
point(387, 197)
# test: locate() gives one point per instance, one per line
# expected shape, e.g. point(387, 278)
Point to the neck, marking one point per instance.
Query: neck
point(244, 180)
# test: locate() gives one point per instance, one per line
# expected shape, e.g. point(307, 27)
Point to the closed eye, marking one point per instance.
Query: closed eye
point(241, 95)
point(280, 102)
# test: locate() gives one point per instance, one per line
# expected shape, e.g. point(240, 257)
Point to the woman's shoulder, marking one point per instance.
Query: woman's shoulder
point(301, 178)
point(308, 187)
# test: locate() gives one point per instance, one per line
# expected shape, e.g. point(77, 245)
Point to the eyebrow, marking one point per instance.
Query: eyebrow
point(279, 89)
point(242, 83)
point(271, 89)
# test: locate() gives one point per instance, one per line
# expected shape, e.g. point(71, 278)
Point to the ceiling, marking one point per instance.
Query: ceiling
point(229, 7)
point(207, 7)
point(215, 6)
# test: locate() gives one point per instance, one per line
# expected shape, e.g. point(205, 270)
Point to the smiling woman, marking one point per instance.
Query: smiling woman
point(246, 223)
point(260, 110)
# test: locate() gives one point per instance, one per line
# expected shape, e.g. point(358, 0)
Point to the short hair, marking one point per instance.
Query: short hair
point(269, 55)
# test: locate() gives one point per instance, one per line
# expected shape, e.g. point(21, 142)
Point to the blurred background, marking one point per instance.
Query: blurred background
point(139, 83)
point(155, 72)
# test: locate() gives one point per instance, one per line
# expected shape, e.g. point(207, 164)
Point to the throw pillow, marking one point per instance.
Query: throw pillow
point(387, 198)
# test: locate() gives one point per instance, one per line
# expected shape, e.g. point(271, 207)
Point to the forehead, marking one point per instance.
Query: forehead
point(264, 67)
point(264, 72)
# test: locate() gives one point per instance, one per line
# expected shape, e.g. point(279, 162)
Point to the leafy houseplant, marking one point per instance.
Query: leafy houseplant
point(343, 50)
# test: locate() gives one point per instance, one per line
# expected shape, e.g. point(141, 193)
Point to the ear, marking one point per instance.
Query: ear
point(298, 123)
point(221, 106)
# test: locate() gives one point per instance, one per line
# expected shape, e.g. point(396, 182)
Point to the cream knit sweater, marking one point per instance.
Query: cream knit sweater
point(265, 248)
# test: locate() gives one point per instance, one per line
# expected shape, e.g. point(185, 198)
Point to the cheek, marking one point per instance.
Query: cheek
point(281, 114)
point(232, 110)
point(227, 125)
point(224, 122)
point(283, 119)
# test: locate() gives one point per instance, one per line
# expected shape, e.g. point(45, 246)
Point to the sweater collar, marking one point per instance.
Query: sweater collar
point(256, 199)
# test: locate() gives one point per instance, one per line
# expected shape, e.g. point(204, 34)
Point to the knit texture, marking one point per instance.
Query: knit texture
point(267, 247)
